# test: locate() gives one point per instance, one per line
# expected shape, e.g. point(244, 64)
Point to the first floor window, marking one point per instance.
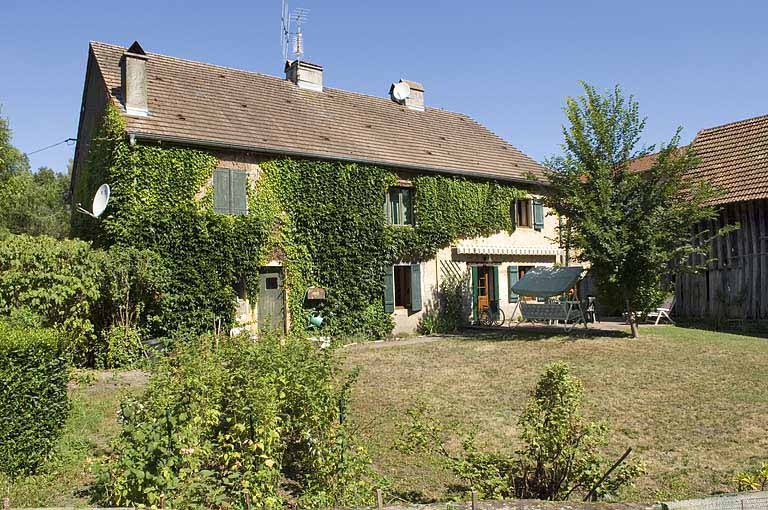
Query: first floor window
point(399, 206)
point(402, 287)
point(230, 191)
point(523, 212)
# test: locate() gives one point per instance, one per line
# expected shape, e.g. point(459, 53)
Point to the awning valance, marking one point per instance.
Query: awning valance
point(547, 281)
point(486, 249)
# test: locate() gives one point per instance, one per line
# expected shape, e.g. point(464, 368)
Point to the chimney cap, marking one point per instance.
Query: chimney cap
point(302, 63)
point(414, 85)
point(135, 50)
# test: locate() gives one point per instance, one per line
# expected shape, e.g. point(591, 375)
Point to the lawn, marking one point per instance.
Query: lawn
point(66, 478)
point(693, 404)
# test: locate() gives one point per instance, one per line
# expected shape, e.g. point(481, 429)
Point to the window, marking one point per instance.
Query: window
point(523, 212)
point(230, 191)
point(402, 288)
point(402, 276)
point(399, 206)
point(529, 213)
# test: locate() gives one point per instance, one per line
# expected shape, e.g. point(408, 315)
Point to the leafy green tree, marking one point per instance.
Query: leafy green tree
point(30, 203)
point(12, 160)
point(632, 228)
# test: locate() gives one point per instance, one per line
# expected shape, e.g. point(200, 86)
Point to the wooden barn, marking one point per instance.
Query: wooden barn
point(734, 158)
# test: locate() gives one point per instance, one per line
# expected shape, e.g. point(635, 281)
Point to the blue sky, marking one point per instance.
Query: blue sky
point(508, 64)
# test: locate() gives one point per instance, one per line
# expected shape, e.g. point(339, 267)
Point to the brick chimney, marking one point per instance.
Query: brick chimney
point(415, 100)
point(134, 80)
point(305, 74)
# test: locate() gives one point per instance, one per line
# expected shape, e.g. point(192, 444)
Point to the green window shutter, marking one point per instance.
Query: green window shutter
point(407, 205)
point(389, 290)
point(512, 278)
point(538, 214)
point(514, 215)
point(238, 181)
point(415, 287)
point(495, 290)
point(474, 293)
point(221, 197)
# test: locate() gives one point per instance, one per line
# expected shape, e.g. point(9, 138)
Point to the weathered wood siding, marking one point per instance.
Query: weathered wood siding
point(735, 282)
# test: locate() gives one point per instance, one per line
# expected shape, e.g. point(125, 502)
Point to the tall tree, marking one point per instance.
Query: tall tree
point(30, 203)
point(631, 227)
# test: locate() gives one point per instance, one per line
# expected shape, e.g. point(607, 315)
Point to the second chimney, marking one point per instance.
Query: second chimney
point(305, 74)
point(134, 80)
point(415, 99)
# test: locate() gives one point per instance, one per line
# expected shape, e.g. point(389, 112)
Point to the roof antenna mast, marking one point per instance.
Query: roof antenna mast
point(290, 31)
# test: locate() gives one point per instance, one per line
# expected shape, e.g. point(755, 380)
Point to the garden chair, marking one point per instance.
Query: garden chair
point(663, 311)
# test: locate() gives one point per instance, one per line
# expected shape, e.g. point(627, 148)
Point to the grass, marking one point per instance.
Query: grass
point(65, 479)
point(691, 403)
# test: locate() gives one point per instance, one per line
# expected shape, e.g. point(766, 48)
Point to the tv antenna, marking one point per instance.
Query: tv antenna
point(291, 36)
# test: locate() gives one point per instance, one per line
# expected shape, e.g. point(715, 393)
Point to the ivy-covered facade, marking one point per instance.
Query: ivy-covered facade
point(250, 233)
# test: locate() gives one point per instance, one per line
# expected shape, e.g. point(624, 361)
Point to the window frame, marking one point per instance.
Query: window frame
point(524, 205)
point(402, 221)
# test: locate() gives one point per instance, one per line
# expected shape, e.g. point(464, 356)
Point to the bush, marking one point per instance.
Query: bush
point(450, 314)
point(33, 397)
point(134, 284)
point(55, 280)
point(226, 421)
point(559, 457)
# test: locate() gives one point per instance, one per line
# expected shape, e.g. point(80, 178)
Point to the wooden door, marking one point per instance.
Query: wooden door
point(484, 285)
point(271, 302)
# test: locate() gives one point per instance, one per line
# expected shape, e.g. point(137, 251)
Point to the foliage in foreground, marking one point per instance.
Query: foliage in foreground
point(33, 397)
point(560, 456)
point(227, 421)
point(633, 228)
point(101, 301)
point(752, 479)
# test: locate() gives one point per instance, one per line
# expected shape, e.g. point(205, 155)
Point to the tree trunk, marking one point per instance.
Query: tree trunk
point(632, 319)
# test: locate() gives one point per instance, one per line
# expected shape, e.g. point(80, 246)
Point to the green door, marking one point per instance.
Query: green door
point(271, 303)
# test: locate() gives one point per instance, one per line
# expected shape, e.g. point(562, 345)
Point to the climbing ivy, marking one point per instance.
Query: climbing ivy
point(324, 221)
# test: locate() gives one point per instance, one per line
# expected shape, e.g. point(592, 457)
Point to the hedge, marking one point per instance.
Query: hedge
point(33, 397)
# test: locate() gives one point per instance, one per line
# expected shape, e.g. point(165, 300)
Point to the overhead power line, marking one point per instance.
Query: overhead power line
point(68, 141)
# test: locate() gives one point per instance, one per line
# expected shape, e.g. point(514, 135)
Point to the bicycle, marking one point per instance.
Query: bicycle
point(491, 315)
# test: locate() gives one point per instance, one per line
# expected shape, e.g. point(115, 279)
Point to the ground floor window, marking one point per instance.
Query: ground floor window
point(402, 276)
point(402, 287)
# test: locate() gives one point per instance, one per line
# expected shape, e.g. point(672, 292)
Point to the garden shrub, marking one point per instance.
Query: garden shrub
point(450, 313)
point(57, 280)
point(134, 283)
point(33, 397)
point(559, 458)
point(226, 421)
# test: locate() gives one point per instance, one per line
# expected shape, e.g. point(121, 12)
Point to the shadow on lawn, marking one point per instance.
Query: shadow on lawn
point(758, 329)
point(530, 333)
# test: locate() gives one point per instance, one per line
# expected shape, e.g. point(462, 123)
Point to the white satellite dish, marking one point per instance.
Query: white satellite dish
point(100, 201)
point(401, 91)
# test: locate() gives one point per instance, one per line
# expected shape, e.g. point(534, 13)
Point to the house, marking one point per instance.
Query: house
point(734, 285)
point(246, 119)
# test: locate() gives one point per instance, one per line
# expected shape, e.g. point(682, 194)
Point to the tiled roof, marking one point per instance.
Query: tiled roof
point(734, 159)
point(192, 102)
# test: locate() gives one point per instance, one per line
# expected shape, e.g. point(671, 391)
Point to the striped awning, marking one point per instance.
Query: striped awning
point(489, 249)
